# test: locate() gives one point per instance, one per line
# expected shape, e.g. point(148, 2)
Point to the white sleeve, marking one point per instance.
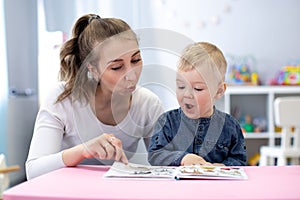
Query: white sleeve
point(150, 107)
point(45, 153)
point(43, 165)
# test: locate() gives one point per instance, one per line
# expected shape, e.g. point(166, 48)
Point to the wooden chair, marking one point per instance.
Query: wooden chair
point(287, 116)
point(4, 179)
point(4, 170)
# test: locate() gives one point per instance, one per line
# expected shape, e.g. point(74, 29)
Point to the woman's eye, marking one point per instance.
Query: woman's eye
point(134, 61)
point(116, 67)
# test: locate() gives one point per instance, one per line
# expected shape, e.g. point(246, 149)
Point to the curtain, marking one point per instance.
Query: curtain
point(3, 79)
point(59, 15)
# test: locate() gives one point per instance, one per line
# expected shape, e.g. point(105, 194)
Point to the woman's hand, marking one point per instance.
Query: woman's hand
point(105, 147)
point(193, 159)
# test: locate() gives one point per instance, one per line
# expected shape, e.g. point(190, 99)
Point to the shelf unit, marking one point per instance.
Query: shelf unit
point(257, 101)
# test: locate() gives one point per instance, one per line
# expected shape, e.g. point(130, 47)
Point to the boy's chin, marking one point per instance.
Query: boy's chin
point(191, 115)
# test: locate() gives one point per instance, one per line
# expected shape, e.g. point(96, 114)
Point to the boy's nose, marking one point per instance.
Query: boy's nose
point(189, 94)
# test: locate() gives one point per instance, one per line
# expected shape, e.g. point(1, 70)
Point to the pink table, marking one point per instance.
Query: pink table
point(86, 182)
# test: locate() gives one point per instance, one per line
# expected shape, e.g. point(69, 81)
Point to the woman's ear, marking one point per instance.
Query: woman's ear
point(90, 68)
point(92, 72)
point(221, 90)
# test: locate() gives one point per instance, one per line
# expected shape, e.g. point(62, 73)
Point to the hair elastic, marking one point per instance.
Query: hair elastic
point(94, 17)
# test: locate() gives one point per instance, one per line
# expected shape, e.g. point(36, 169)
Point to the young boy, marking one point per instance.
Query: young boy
point(197, 133)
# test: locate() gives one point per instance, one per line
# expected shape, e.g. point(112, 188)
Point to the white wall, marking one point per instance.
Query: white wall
point(266, 29)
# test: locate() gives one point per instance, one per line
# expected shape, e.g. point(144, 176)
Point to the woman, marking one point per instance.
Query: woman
point(96, 111)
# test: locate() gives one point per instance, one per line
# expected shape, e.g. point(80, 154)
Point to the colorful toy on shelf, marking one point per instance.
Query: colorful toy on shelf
point(251, 124)
point(260, 124)
point(254, 160)
point(288, 75)
point(241, 72)
point(248, 126)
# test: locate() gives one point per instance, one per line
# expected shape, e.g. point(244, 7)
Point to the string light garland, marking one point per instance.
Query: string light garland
point(171, 13)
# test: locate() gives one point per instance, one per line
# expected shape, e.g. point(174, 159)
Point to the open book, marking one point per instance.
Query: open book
point(131, 170)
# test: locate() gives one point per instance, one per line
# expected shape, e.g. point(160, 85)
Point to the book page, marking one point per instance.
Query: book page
point(131, 170)
point(210, 172)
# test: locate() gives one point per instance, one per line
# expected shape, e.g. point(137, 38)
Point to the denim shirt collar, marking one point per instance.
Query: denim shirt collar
point(204, 120)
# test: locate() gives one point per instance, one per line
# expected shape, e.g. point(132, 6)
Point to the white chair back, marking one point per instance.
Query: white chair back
point(287, 116)
point(287, 111)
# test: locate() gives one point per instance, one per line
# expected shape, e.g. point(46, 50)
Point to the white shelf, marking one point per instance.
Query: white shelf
point(260, 135)
point(263, 90)
point(259, 100)
point(256, 101)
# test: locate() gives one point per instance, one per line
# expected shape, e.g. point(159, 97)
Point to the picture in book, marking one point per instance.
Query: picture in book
point(132, 170)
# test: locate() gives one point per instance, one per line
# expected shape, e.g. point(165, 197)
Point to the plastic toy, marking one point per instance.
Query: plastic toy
point(260, 124)
point(254, 160)
point(288, 75)
point(251, 124)
point(241, 72)
point(248, 126)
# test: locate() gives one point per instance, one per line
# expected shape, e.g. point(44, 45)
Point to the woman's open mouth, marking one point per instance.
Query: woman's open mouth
point(131, 88)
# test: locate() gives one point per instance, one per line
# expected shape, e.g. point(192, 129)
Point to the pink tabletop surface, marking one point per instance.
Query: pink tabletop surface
point(87, 182)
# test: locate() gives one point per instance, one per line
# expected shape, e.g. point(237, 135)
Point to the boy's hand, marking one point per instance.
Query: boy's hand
point(193, 159)
point(218, 164)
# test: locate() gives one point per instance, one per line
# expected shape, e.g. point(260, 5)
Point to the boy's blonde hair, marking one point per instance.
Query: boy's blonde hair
point(203, 54)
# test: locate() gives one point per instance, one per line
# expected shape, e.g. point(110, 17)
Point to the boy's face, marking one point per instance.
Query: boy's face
point(194, 95)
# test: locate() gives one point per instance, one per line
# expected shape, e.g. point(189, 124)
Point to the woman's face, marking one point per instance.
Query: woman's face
point(120, 66)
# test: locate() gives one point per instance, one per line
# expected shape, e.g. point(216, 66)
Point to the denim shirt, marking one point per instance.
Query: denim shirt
point(218, 139)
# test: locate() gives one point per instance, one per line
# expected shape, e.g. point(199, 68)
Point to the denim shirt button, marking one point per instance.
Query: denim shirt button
point(199, 141)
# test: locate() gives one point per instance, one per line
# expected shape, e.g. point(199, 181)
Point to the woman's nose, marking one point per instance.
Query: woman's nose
point(130, 75)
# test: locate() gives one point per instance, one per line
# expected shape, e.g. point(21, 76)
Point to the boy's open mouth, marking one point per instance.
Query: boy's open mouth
point(189, 106)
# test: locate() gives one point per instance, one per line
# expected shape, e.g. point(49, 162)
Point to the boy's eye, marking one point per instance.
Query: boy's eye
point(198, 89)
point(181, 87)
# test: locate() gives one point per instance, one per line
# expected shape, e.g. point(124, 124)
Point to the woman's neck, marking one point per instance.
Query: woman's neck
point(111, 108)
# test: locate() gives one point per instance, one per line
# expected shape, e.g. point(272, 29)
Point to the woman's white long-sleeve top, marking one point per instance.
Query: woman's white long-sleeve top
point(66, 124)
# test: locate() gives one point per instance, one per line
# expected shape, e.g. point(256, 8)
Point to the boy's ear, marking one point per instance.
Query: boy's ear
point(221, 90)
